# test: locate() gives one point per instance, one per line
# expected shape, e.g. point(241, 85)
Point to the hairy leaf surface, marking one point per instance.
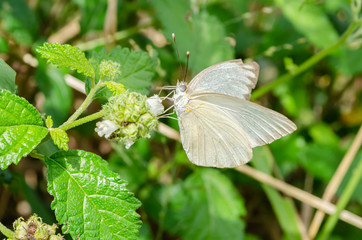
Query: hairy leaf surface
point(66, 55)
point(21, 128)
point(92, 199)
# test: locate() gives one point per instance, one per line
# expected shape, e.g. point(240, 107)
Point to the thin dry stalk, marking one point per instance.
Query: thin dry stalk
point(336, 181)
point(300, 195)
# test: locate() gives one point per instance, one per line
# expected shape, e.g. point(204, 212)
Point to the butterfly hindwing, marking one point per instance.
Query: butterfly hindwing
point(211, 138)
point(261, 125)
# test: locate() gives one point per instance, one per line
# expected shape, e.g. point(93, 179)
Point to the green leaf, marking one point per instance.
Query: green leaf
point(283, 207)
point(200, 33)
point(7, 77)
point(66, 56)
point(310, 20)
point(137, 68)
point(18, 19)
point(60, 138)
point(207, 206)
point(90, 198)
point(21, 128)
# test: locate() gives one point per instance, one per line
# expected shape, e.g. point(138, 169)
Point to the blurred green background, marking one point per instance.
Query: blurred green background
point(180, 200)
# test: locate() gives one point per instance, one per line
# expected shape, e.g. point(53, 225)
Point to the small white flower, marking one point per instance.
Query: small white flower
point(128, 143)
point(106, 128)
point(155, 104)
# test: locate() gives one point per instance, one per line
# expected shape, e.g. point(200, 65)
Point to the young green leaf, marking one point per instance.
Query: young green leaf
point(60, 138)
point(7, 77)
point(66, 56)
point(21, 128)
point(137, 68)
point(90, 198)
point(208, 207)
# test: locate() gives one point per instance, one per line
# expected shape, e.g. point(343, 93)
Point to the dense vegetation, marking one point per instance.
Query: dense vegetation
point(309, 54)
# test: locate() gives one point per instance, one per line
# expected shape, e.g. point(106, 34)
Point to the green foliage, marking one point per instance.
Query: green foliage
point(200, 33)
point(66, 56)
point(21, 128)
point(19, 20)
point(206, 206)
point(115, 88)
point(136, 68)
point(91, 199)
point(58, 135)
point(7, 77)
point(283, 207)
point(311, 21)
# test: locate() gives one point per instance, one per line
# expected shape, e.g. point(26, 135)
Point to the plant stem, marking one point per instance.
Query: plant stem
point(85, 104)
point(37, 156)
point(346, 195)
point(67, 126)
point(307, 64)
point(6, 231)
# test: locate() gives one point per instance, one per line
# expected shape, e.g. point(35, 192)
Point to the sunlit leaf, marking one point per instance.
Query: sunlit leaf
point(21, 128)
point(91, 199)
point(65, 55)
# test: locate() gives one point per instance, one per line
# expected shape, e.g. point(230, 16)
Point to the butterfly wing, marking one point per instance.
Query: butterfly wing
point(211, 138)
point(233, 78)
point(260, 125)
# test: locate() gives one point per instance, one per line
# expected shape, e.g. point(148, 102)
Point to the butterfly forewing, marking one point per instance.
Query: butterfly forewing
point(233, 78)
point(261, 125)
point(211, 138)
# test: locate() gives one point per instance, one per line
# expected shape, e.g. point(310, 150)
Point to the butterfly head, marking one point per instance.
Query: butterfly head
point(181, 87)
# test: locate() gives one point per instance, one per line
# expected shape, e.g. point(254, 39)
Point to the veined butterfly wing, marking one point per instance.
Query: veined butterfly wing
point(211, 137)
point(260, 125)
point(233, 78)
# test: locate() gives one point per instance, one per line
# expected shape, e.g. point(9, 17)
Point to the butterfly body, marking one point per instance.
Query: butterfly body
point(219, 126)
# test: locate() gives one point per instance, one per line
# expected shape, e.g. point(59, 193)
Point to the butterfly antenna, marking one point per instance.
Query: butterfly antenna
point(187, 62)
point(178, 55)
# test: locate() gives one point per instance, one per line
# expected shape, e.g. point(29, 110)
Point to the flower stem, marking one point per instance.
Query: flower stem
point(342, 202)
point(84, 105)
point(305, 65)
point(67, 126)
point(6, 231)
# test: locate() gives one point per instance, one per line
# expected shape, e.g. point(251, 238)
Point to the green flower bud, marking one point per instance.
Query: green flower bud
point(109, 69)
point(129, 118)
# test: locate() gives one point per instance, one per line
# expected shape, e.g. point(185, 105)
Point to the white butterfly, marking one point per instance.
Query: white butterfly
point(219, 126)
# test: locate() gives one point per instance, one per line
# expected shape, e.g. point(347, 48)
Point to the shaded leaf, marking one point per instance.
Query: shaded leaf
point(283, 207)
point(19, 20)
point(7, 77)
point(200, 33)
point(137, 68)
point(66, 56)
point(206, 206)
point(310, 20)
point(92, 199)
point(21, 128)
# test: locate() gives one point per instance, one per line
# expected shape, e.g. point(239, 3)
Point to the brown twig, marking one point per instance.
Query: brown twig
point(335, 182)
